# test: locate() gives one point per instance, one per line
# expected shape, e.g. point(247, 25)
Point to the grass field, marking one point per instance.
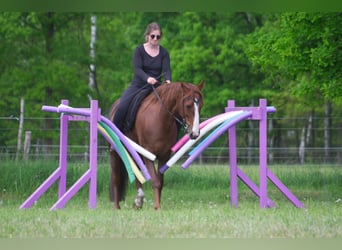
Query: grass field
point(195, 204)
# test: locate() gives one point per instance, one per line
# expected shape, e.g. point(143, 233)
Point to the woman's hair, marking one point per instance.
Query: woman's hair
point(151, 27)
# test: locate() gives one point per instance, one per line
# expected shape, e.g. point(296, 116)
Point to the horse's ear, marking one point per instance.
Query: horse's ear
point(201, 85)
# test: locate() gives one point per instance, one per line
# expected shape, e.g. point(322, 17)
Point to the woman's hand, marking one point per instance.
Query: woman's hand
point(151, 80)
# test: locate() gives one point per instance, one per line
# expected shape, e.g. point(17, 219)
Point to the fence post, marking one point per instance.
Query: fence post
point(27, 144)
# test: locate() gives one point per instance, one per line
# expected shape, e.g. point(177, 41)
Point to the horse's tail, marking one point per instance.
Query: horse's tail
point(119, 177)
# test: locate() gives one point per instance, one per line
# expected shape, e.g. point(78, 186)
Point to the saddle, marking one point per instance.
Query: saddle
point(133, 109)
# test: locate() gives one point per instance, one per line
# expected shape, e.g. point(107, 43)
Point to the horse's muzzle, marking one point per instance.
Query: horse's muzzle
point(193, 135)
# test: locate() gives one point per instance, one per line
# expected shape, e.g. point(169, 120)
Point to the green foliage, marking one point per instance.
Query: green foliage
point(210, 46)
point(301, 53)
point(292, 59)
point(43, 68)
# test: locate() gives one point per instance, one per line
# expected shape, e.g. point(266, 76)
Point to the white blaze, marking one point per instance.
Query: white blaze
point(195, 126)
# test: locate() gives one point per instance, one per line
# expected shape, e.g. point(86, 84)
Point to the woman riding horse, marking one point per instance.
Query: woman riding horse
point(156, 129)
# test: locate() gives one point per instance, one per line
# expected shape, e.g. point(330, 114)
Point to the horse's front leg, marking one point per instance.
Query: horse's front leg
point(158, 187)
point(157, 183)
point(139, 199)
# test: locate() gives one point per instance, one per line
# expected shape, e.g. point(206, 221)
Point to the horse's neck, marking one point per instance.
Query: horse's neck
point(170, 97)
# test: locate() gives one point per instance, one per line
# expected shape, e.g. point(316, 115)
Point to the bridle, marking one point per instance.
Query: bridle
point(181, 121)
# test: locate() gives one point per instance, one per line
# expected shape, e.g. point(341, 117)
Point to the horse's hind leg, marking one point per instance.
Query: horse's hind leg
point(139, 199)
point(118, 179)
point(114, 192)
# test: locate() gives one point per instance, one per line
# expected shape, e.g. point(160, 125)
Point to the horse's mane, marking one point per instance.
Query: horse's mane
point(167, 92)
point(171, 93)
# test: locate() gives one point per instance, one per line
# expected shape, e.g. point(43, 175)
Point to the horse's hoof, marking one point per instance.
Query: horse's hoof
point(138, 202)
point(135, 207)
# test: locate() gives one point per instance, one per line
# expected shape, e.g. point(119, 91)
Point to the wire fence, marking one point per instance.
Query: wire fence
point(284, 142)
point(212, 155)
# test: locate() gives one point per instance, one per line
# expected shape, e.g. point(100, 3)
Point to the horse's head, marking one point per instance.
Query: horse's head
point(191, 107)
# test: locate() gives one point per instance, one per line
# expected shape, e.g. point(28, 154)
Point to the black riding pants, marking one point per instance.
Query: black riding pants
point(125, 101)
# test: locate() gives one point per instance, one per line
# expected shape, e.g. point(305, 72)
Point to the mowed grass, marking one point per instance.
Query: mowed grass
point(195, 204)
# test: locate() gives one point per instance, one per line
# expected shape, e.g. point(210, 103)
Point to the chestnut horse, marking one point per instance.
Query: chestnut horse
point(156, 130)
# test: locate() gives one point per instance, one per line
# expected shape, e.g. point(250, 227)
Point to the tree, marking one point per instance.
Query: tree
point(209, 46)
point(47, 61)
point(300, 53)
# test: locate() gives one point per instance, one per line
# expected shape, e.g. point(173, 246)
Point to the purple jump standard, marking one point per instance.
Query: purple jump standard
point(93, 116)
point(258, 114)
point(60, 173)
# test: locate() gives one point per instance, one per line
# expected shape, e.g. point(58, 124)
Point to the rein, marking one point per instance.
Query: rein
point(181, 122)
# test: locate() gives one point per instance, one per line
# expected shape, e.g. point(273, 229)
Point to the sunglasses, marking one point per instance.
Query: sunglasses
point(155, 36)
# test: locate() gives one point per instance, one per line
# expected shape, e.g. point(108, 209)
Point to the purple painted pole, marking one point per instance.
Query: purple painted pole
point(233, 161)
point(41, 189)
point(282, 188)
point(263, 152)
point(91, 115)
point(249, 183)
point(86, 112)
point(94, 119)
point(72, 191)
point(63, 149)
point(68, 110)
point(60, 172)
point(91, 174)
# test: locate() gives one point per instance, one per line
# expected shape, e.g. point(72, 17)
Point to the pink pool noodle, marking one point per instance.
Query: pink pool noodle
point(213, 136)
point(210, 125)
point(186, 137)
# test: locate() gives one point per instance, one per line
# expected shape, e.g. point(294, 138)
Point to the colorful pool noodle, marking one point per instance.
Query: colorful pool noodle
point(217, 129)
point(135, 169)
point(129, 147)
point(133, 165)
point(119, 149)
point(128, 161)
point(186, 137)
point(203, 131)
point(85, 112)
point(213, 136)
point(216, 133)
point(141, 150)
